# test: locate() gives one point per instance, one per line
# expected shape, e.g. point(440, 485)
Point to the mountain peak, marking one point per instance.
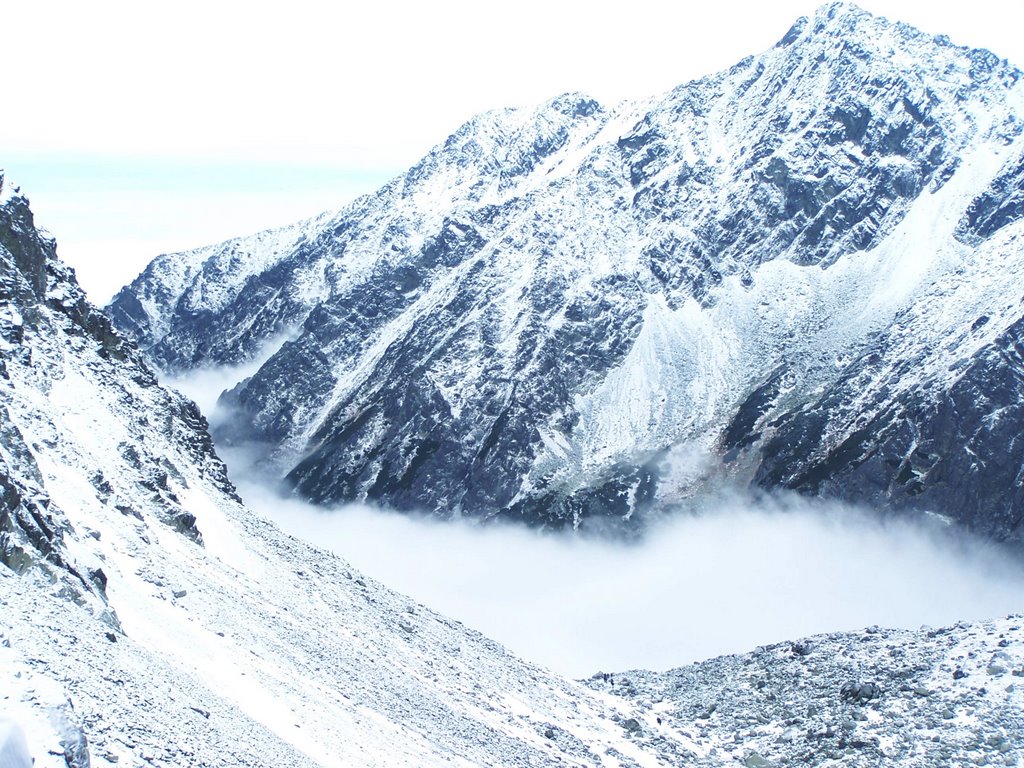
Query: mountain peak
point(8, 189)
point(555, 304)
point(828, 19)
point(849, 21)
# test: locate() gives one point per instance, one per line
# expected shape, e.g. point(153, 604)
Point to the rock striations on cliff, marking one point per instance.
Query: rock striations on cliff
point(803, 272)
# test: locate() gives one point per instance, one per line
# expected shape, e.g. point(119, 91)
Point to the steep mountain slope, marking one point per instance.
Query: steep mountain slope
point(149, 619)
point(578, 312)
point(930, 414)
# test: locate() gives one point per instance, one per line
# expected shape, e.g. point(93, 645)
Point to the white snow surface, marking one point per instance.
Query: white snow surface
point(34, 709)
point(8, 189)
point(14, 751)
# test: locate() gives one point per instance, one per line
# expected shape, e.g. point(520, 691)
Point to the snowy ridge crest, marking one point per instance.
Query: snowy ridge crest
point(581, 312)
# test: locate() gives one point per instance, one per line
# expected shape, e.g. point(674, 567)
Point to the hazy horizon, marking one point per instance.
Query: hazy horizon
point(178, 130)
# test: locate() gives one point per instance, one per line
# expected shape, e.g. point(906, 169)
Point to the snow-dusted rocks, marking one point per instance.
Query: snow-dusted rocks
point(804, 271)
point(948, 696)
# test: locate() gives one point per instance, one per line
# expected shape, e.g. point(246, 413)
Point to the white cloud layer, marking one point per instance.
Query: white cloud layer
point(744, 571)
point(205, 385)
point(742, 574)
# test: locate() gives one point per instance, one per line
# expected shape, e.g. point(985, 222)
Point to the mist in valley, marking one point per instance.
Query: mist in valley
point(741, 574)
point(746, 571)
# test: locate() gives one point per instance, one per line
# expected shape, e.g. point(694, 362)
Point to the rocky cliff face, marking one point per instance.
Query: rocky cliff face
point(55, 348)
point(772, 274)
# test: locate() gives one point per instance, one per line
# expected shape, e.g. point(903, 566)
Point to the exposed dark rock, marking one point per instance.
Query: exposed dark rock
point(540, 317)
point(858, 692)
point(1001, 205)
point(952, 449)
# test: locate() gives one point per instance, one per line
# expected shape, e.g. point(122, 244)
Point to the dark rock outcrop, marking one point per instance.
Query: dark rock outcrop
point(49, 334)
point(554, 312)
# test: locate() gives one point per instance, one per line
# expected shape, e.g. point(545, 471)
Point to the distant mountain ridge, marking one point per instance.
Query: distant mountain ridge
point(803, 272)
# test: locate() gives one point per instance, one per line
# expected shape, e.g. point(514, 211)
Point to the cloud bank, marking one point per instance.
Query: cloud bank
point(742, 574)
point(205, 385)
point(745, 571)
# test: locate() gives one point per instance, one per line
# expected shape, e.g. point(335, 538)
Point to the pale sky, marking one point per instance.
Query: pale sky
point(137, 128)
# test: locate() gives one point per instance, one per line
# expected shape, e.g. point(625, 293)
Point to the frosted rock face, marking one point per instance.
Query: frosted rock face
point(54, 349)
point(945, 696)
point(771, 274)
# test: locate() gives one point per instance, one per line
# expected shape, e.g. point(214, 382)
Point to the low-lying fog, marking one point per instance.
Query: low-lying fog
point(734, 578)
point(744, 573)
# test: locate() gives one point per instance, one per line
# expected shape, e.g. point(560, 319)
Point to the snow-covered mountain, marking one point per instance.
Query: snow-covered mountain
point(148, 618)
point(804, 272)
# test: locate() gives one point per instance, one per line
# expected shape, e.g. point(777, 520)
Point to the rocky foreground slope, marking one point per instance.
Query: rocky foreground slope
point(803, 272)
point(935, 697)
